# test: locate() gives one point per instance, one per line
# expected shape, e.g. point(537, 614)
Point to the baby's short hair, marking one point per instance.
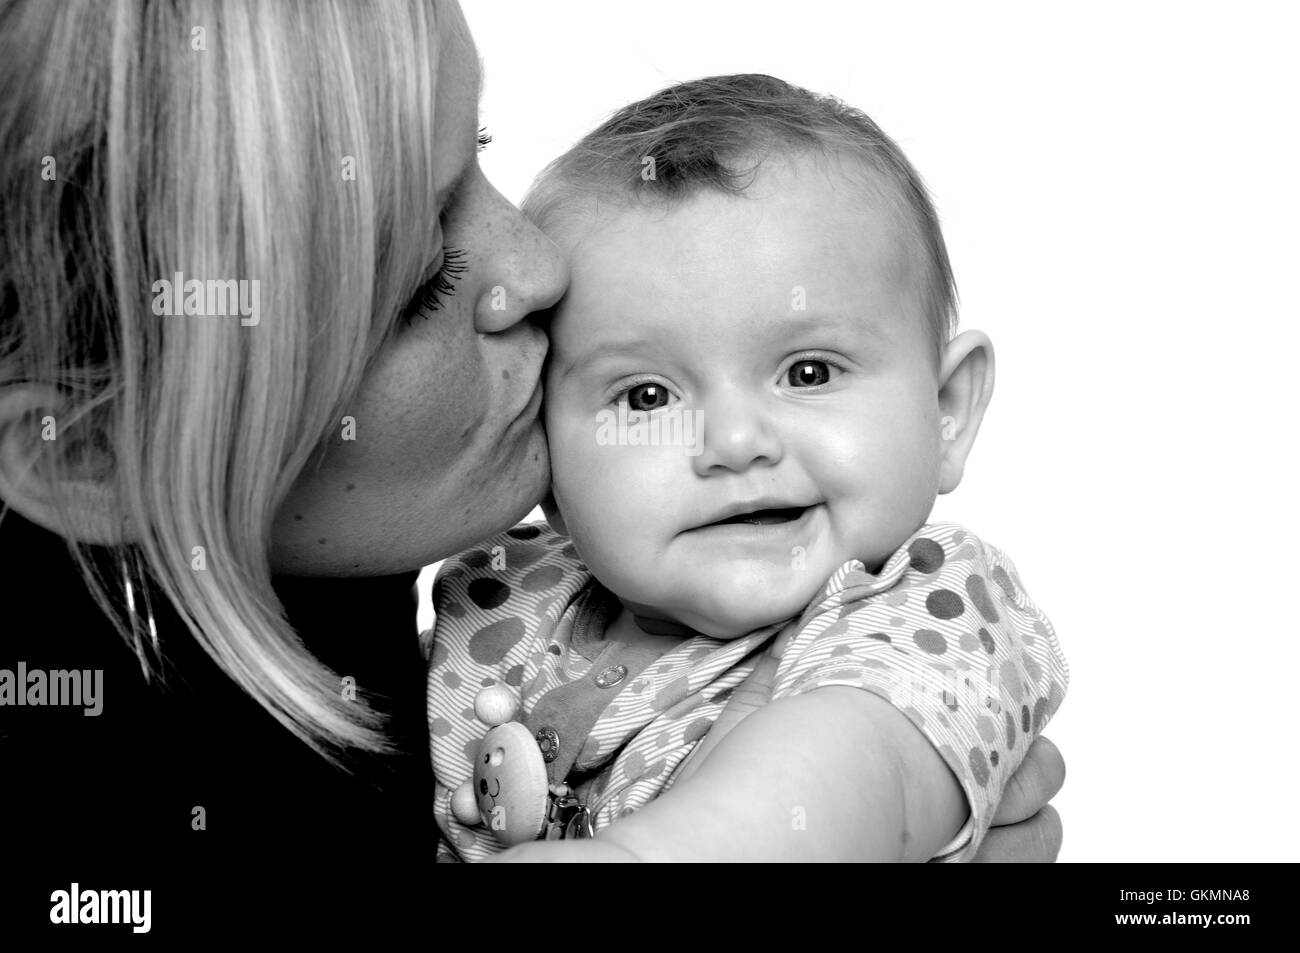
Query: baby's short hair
point(701, 135)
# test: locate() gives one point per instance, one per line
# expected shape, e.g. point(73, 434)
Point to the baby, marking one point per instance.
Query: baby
point(753, 397)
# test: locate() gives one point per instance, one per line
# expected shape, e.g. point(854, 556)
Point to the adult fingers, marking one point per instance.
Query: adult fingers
point(1035, 782)
point(1033, 841)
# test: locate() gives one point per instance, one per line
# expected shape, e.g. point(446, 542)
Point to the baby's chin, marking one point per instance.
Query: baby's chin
point(731, 614)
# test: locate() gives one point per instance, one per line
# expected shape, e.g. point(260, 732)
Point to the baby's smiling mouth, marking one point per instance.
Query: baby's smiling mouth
point(764, 517)
point(762, 513)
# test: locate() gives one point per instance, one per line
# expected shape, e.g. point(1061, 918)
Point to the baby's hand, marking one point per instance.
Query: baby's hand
point(582, 851)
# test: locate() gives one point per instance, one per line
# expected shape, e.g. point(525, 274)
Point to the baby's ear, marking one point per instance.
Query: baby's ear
point(552, 512)
point(965, 388)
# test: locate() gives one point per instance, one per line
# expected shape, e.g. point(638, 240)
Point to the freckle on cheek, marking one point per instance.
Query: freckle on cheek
point(321, 540)
point(505, 375)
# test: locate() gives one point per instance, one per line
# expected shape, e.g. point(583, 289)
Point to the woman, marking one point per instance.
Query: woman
point(248, 494)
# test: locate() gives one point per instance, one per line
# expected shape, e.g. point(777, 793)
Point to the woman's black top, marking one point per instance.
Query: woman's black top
point(114, 795)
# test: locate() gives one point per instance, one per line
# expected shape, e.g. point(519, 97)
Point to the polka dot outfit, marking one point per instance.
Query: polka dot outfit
point(945, 633)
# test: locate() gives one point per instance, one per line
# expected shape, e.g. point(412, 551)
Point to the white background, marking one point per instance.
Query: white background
point(1118, 189)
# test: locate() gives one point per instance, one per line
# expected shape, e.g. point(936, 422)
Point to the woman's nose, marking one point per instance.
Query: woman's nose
point(738, 434)
point(528, 271)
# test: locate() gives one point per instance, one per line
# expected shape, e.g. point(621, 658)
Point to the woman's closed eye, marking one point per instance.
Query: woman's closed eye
point(433, 294)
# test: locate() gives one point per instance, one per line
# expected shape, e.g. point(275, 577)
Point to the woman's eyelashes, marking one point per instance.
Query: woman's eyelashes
point(433, 294)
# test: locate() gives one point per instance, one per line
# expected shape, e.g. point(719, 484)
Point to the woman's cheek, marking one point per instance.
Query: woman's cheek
point(446, 401)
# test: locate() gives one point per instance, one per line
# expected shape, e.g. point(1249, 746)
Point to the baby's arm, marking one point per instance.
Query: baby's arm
point(834, 774)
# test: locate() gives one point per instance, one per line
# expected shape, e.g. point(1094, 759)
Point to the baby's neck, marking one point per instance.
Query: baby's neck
point(637, 631)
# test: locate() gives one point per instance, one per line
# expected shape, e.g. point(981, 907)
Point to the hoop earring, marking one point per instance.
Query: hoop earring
point(135, 616)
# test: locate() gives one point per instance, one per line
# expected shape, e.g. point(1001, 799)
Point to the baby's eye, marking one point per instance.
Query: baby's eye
point(808, 373)
point(647, 397)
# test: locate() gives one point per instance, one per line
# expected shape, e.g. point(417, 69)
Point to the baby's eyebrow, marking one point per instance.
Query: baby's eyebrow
point(587, 356)
point(826, 321)
point(781, 330)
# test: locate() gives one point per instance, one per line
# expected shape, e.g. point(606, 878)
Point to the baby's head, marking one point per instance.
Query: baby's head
point(752, 377)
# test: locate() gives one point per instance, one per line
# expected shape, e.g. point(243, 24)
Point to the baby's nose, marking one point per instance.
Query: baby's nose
point(737, 435)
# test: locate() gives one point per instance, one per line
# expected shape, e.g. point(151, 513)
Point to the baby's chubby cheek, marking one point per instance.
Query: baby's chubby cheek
point(622, 505)
point(878, 469)
point(613, 499)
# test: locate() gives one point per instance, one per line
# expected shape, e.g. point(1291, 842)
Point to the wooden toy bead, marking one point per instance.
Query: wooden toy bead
point(464, 804)
point(495, 705)
point(510, 781)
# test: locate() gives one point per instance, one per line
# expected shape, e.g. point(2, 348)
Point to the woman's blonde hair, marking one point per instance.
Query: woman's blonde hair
point(288, 143)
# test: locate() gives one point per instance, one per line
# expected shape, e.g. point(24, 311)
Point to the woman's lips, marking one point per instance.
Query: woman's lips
point(528, 413)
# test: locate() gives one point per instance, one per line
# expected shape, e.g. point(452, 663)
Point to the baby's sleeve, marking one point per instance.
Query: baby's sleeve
point(947, 634)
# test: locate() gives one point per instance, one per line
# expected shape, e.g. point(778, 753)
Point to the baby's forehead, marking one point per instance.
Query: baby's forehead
point(646, 286)
point(760, 176)
point(781, 185)
point(804, 234)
